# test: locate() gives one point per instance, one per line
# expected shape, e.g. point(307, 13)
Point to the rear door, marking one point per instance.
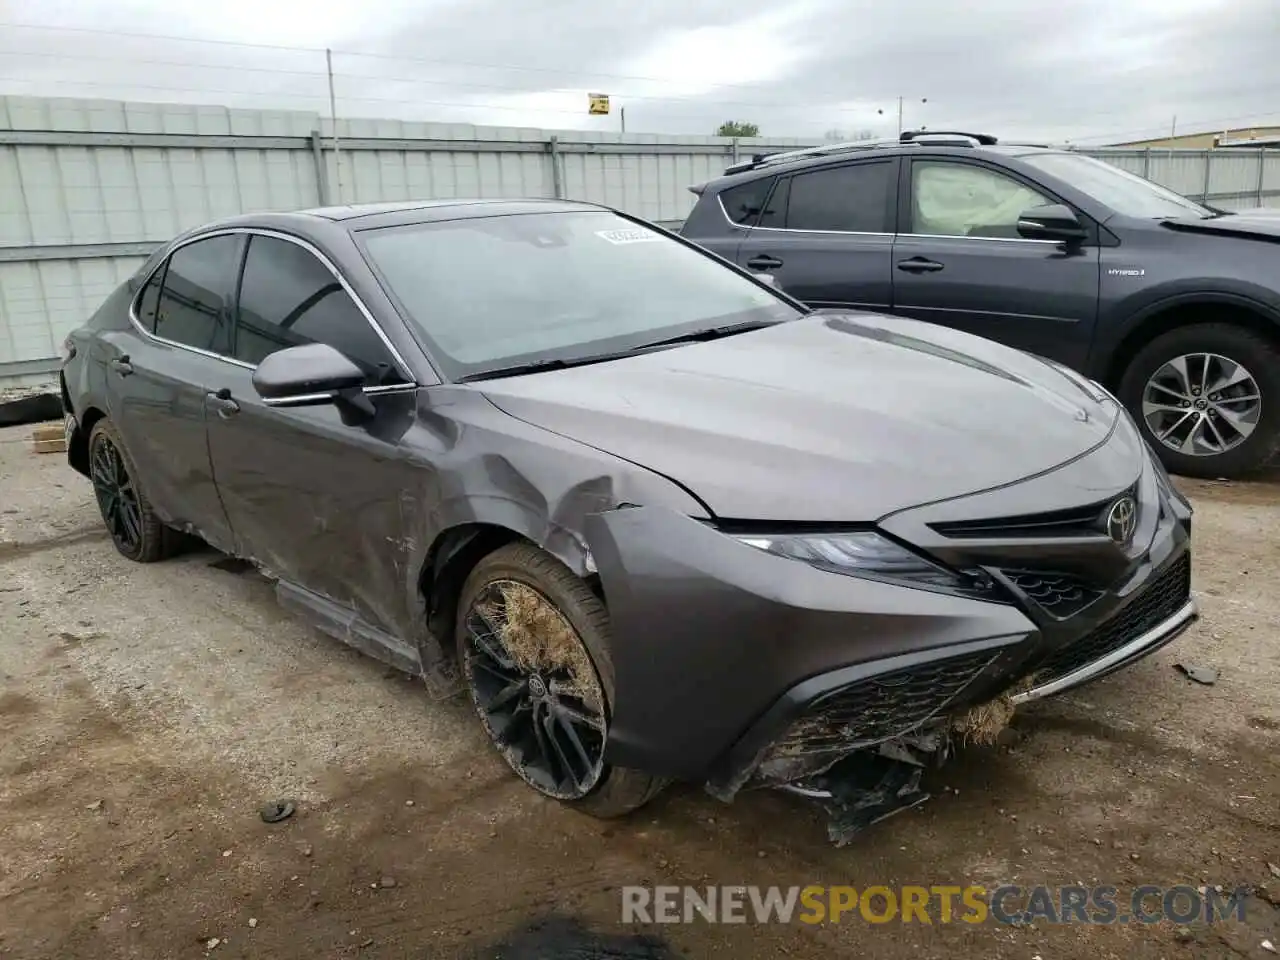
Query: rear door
point(827, 234)
point(322, 499)
point(959, 260)
point(158, 376)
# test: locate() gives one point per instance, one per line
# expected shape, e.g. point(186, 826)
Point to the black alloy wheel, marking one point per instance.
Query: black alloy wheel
point(137, 532)
point(117, 495)
point(536, 690)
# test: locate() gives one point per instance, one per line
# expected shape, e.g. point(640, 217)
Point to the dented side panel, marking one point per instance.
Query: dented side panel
point(709, 632)
point(350, 510)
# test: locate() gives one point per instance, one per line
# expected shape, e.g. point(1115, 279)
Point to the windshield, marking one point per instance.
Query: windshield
point(488, 293)
point(1124, 192)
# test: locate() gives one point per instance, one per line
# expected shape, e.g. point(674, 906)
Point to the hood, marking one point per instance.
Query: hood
point(836, 417)
point(1259, 223)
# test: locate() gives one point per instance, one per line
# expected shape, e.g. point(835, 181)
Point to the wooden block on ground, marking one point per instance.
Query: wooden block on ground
point(49, 438)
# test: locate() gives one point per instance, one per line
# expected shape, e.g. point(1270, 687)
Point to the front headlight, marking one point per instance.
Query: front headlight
point(859, 554)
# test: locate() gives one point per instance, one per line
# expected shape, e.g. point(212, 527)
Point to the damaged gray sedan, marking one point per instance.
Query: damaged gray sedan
point(660, 520)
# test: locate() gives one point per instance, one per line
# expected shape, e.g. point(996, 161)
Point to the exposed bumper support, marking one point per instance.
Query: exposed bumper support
point(1141, 645)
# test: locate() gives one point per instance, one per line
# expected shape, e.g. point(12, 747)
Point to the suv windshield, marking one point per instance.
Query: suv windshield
point(488, 293)
point(1123, 192)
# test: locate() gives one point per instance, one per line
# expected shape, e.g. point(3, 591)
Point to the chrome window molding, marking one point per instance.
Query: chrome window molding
point(872, 233)
point(403, 367)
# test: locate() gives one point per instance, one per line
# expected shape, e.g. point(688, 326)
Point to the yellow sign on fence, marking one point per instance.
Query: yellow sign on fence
point(597, 104)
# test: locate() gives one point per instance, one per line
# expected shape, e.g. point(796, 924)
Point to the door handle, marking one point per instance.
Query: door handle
point(919, 265)
point(764, 262)
point(121, 365)
point(222, 402)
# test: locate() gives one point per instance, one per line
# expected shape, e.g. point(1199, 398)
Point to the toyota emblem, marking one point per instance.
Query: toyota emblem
point(1122, 520)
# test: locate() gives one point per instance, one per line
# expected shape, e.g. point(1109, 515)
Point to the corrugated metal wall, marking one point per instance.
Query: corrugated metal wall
point(89, 187)
point(1233, 179)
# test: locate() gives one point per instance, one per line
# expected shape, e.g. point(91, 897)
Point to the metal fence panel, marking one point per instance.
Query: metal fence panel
point(88, 187)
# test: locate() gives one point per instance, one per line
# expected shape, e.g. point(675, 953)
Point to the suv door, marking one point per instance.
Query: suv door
point(318, 497)
point(157, 378)
point(959, 260)
point(827, 234)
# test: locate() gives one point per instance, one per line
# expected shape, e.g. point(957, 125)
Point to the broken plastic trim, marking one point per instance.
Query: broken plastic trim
point(872, 785)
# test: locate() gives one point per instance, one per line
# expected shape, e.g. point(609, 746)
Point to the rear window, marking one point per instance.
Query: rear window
point(743, 203)
point(492, 292)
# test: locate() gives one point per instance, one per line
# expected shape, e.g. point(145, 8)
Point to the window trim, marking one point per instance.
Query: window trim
point(906, 210)
point(403, 369)
point(891, 202)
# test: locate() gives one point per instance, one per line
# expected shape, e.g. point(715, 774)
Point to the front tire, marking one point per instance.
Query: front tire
point(136, 531)
point(1207, 399)
point(533, 647)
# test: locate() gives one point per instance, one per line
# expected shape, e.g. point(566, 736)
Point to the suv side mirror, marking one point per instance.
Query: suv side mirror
point(306, 376)
point(1052, 221)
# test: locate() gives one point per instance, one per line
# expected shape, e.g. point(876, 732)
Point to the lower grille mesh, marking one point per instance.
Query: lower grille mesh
point(881, 707)
point(1159, 601)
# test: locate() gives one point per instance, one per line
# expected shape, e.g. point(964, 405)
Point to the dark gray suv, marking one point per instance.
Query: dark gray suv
point(1172, 305)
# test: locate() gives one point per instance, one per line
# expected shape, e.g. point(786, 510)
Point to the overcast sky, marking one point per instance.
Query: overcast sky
point(1092, 71)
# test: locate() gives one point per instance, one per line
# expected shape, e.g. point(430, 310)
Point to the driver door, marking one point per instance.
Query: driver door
point(959, 261)
point(322, 501)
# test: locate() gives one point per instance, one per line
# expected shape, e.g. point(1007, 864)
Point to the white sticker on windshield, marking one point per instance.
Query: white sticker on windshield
point(628, 236)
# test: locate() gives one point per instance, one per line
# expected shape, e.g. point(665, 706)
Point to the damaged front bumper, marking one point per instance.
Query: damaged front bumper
point(736, 668)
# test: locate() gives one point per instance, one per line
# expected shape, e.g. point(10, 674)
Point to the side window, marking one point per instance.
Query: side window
point(774, 214)
point(962, 200)
point(289, 298)
point(149, 301)
point(194, 303)
point(852, 198)
point(743, 202)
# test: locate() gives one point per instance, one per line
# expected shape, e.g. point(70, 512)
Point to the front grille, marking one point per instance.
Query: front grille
point(1059, 595)
point(1159, 601)
point(880, 707)
point(1085, 521)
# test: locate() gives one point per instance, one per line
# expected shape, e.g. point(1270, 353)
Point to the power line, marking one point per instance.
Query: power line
point(1209, 124)
point(121, 85)
point(321, 75)
point(352, 53)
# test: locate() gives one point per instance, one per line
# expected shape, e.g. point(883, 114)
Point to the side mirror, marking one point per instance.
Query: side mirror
point(1052, 221)
point(306, 376)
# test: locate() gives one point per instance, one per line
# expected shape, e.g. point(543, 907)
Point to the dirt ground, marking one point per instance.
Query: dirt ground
point(146, 712)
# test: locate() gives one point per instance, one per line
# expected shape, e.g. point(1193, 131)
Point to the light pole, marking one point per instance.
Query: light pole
point(900, 101)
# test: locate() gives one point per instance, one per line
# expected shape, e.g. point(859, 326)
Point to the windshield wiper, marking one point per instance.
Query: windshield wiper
point(710, 333)
point(559, 363)
point(539, 366)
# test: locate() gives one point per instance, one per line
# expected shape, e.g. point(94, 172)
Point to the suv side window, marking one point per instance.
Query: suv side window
point(854, 198)
point(743, 202)
point(288, 298)
point(963, 200)
point(194, 303)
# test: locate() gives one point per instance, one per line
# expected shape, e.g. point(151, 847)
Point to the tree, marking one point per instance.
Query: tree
point(737, 128)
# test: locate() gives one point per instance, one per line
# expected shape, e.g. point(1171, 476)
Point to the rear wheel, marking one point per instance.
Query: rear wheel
point(1207, 398)
point(135, 529)
point(533, 646)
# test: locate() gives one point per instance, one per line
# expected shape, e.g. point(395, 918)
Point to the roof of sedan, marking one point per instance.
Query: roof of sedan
point(445, 209)
point(366, 216)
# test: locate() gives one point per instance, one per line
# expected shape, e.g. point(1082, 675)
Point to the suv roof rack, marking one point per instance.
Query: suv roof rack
point(909, 138)
point(977, 139)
